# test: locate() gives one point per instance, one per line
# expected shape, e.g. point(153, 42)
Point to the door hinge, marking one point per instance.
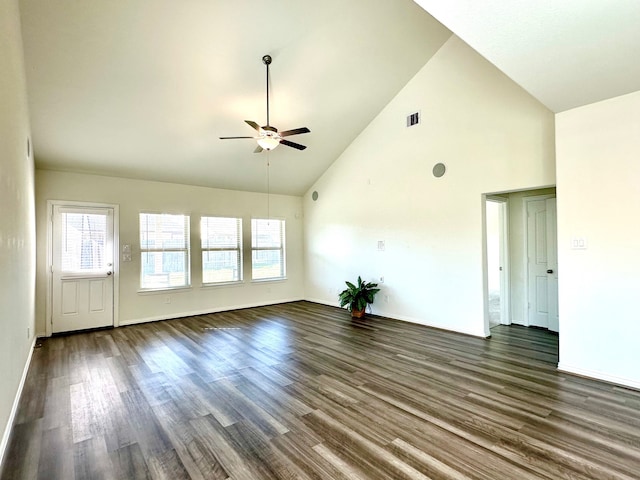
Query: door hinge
point(51, 267)
point(529, 305)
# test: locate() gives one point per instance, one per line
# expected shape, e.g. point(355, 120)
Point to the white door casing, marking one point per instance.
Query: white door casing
point(542, 276)
point(82, 267)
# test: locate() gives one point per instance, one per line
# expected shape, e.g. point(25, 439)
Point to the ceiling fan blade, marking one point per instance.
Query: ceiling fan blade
point(258, 149)
point(292, 144)
point(254, 125)
point(295, 131)
point(230, 138)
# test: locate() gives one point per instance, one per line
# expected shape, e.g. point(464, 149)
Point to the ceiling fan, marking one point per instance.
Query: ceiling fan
point(268, 136)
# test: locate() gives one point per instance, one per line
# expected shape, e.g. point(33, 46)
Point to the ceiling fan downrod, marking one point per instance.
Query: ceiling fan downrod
point(267, 61)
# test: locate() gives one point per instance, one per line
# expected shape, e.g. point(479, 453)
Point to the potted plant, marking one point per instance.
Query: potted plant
point(357, 297)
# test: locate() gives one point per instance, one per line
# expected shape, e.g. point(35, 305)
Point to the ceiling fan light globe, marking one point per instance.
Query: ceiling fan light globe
point(268, 142)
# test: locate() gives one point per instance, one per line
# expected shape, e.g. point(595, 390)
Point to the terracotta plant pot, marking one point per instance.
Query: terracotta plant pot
point(357, 313)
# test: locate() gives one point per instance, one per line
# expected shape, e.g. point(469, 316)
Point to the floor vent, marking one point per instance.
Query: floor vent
point(222, 328)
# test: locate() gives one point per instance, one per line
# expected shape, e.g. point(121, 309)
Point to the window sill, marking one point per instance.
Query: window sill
point(270, 280)
point(206, 286)
point(152, 291)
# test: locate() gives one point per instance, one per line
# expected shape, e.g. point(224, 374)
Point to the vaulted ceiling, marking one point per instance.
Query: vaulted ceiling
point(144, 89)
point(566, 53)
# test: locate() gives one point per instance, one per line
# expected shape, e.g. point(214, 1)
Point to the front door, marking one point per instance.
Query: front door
point(82, 268)
point(542, 275)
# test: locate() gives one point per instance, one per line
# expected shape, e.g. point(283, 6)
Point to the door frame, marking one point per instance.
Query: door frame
point(525, 213)
point(505, 284)
point(49, 266)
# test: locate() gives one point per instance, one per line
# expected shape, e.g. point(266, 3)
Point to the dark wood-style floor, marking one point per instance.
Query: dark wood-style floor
point(301, 391)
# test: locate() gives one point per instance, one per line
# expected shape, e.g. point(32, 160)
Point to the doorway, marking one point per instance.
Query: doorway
point(515, 222)
point(83, 267)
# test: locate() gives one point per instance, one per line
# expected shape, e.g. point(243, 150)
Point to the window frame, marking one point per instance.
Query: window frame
point(281, 249)
point(239, 249)
point(186, 249)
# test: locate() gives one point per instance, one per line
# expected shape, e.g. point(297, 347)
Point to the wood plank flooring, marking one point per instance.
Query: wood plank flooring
point(302, 391)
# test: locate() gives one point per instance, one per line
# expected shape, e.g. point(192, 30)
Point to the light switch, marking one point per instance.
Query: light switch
point(126, 248)
point(126, 257)
point(578, 243)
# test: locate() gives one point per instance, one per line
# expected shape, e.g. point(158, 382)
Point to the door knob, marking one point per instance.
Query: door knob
point(109, 273)
point(549, 271)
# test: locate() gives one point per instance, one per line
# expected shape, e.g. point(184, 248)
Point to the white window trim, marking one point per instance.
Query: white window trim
point(187, 250)
point(220, 249)
point(282, 249)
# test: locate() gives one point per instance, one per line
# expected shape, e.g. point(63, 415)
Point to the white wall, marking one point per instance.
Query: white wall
point(134, 196)
point(598, 149)
point(17, 224)
point(491, 135)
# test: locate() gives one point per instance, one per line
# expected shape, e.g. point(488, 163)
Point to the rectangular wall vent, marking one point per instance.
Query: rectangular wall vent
point(413, 119)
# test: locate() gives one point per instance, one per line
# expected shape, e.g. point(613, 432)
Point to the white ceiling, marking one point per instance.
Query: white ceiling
point(566, 53)
point(144, 89)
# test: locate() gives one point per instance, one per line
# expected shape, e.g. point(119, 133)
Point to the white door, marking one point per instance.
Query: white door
point(82, 268)
point(552, 264)
point(496, 262)
point(542, 276)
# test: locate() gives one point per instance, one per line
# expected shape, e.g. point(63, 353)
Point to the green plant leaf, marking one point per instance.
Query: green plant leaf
point(357, 297)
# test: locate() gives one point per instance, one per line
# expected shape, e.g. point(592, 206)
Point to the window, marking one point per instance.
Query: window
point(267, 249)
point(164, 248)
point(221, 249)
point(84, 237)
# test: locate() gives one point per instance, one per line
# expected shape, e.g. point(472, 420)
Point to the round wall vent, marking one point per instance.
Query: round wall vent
point(439, 169)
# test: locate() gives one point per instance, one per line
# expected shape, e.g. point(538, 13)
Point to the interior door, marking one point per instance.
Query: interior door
point(82, 268)
point(542, 257)
point(496, 279)
point(552, 264)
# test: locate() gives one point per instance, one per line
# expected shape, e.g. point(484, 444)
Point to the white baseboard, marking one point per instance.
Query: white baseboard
point(206, 311)
point(597, 375)
point(322, 302)
point(14, 409)
point(403, 318)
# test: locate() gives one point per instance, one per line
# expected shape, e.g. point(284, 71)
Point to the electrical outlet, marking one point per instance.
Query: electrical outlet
point(381, 279)
point(28, 333)
point(386, 299)
point(167, 299)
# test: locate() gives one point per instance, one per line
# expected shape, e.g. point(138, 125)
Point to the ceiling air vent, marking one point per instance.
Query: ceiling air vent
point(413, 119)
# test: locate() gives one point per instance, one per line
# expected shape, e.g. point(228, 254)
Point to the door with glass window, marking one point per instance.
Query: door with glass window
point(82, 268)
